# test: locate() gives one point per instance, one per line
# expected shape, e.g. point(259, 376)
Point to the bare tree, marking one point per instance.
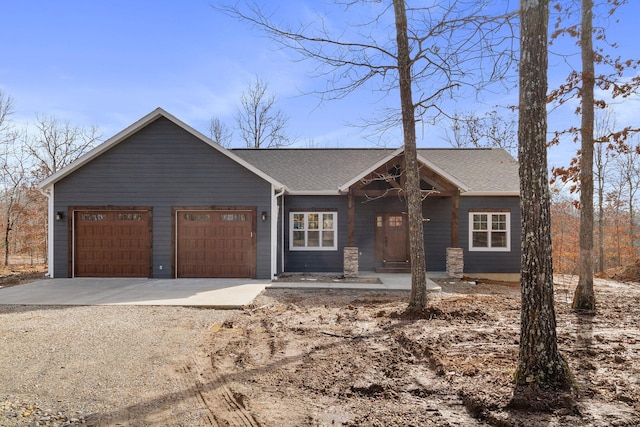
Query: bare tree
point(468, 129)
point(6, 110)
point(602, 155)
point(628, 163)
point(12, 176)
point(220, 133)
point(14, 187)
point(584, 298)
point(55, 144)
point(260, 123)
point(581, 84)
point(433, 50)
point(540, 365)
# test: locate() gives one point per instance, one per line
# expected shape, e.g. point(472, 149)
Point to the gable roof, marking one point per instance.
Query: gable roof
point(320, 171)
point(140, 124)
point(476, 171)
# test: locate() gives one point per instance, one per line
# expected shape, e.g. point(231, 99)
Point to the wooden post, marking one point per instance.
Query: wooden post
point(455, 206)
point(351, 219)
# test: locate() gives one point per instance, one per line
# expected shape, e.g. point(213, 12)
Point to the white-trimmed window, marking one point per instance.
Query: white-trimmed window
point(313, 231)
point(490, 231)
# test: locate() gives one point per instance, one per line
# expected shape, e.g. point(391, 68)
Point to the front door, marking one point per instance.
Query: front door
point(391, 237)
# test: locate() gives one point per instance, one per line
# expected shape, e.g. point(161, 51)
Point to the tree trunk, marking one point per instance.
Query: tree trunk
point(418, 299)
point(540, 365)
point(7, 230)
point(584, 298)
point(600, 216)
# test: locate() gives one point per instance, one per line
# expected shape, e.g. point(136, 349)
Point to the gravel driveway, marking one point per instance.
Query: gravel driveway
point(104, 365)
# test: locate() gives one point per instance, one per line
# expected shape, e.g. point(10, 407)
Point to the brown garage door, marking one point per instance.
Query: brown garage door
point(112, 243)
point(215, 243)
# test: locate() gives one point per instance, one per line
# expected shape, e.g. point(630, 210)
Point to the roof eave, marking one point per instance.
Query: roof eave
point(455, 181)
point(345, 187)
point(491, 193)
point(314, 193)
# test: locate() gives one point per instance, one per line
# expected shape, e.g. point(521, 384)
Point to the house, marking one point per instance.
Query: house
point(161, 200)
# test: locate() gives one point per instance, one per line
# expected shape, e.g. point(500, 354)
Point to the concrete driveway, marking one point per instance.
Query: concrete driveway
point(212, 293)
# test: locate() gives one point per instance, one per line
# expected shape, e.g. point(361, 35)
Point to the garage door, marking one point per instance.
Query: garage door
point(215, 243)
point(112, 243)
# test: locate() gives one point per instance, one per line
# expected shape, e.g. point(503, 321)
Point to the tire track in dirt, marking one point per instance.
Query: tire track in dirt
point(226, 407)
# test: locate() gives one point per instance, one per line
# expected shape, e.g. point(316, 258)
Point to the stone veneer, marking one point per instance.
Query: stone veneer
point(350, 261)
point(455, 263)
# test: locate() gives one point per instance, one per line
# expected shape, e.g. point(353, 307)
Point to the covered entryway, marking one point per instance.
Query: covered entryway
point(111, 242)
point(215, 243)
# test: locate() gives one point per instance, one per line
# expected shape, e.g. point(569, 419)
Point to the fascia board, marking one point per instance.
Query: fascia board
point(491, 193)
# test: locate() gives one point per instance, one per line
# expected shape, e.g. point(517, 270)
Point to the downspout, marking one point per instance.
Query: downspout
point(48, 193)
point(275, 211)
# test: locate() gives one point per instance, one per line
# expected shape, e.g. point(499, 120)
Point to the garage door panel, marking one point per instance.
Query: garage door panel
point(112, 243)
point(216, 243)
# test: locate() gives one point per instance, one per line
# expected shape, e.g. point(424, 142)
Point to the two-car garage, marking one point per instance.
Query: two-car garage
point(207, 242)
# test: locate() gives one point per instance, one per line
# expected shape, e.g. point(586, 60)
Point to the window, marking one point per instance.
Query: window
point(313, 231)
point(489, 231)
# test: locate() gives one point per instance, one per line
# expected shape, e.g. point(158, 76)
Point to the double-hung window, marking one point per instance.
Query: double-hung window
point(313, 231)
point(490, 231)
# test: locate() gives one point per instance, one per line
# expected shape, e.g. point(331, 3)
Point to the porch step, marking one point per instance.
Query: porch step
point(394, 267)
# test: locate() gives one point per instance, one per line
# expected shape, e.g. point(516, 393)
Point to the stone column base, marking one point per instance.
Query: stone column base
point(455, 263)
point(351, 261)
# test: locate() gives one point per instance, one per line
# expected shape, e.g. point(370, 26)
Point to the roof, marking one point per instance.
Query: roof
point(135, 127)
point(476, 171)
point(321, 171)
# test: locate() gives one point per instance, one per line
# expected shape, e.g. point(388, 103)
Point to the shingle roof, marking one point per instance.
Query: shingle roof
point(325, 170)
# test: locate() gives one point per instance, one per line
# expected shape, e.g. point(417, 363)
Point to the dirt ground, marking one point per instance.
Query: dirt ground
point(350, 358)
point(331, 357)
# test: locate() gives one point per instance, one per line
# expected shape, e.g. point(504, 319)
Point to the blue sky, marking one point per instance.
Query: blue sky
point(109, 63)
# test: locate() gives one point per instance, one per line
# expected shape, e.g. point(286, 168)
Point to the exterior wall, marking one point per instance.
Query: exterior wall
point(437, 233)
point(490, 262)
point(162, 166)
point(315, 261)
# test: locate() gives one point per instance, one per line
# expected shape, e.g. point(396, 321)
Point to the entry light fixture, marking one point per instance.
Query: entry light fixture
point(59, 216)
point(264, 216)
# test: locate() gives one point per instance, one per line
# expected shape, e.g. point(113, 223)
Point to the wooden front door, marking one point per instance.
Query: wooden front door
point(215, 243)
point(391, 237)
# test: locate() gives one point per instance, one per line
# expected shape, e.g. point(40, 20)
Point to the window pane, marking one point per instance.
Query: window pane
point(480, 239)
point(313, 222)
point(327, 221)
point(298, 222)
point(313, 239)
point(379, 221)
point(298, 239)
point(499, 239)
point(395, 221)
point(327, 238)
point(480, 222)
point(499, 222)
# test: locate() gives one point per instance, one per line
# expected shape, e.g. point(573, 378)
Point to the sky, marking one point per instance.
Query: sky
point(109, 63)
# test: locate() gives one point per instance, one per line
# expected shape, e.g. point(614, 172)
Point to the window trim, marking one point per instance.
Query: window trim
point(306, 230)
point(489, 230)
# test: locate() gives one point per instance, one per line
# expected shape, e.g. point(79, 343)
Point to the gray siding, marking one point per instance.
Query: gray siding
point(491, 262)
point(316, 261)
point(437, 233)
point(162, 166)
